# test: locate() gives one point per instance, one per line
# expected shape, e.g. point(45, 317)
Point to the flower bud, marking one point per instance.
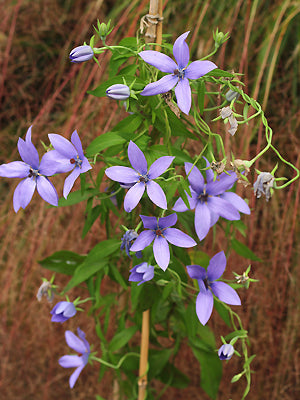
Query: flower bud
point(141, 273)
point(231, 95)
point(81, 54)
point(62, 311)
point(225, 352)
point(118, 92)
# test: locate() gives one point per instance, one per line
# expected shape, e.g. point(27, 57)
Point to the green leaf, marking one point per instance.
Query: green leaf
point(172, 376)
point(91, 218)
point(64, 262)
point(122, 338)
point(103, 141)
point(76, 197)
point(243, 250)
point(157, 361)
point(219, 72)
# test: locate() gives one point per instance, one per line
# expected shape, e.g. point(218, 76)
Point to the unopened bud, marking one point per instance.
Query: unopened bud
point(81, 54)
point(118, 92)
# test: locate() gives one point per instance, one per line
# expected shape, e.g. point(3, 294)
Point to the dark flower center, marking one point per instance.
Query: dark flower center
point(77, 162)
point(203, 196)
point(158, 232)
point(33, 173)
point(144, 178)
point(206, 283)
point(179, 72)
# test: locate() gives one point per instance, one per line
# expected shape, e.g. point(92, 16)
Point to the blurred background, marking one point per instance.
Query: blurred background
point(39, 86)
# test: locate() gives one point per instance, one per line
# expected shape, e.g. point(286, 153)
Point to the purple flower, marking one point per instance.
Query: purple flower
point(225, 352)
point(81, 54)
point(127, 241)
point(208, 285)
point(141, 273)
point(118, 92)
point(211, 200)
point(81, 346)
point(68, 156)
point(34, 172)
point(62, 311)
point(141, 178)
point(159, 230)
point(180, 72)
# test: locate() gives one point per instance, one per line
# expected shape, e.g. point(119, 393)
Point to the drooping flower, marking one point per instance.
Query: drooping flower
point(35, 173)
point(263, 184)
point(81, 54)
point(141, 178)
point(127, 241)
point(68, 156)
point(159, 230)
point(141, 273)
point(62, 311)
point(118, 92)
point(46, 289)
point(208, 285)
point(211, 200)
point(226, 112)
point(81, 346)
point(179, 73)
point(226, 351)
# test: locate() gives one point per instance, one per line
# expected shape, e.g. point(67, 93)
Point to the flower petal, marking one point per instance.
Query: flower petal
point(236, 201)
point(160, 166)
point(225, 293)
point(195, 177)
point(77, 143)
point(63, 145)
point(74, 342)
point(15, 169)
point(216, 266)
point(183, 95)
point(179, 238)
point(223, 208)
point(144, 239)
point(196, 272)
point(137, 158)
point(156, 194)
point(133, 196)
point(161, 252)
point(180, 206)
point(69, 181)
point(163, 85)
point(122, 174)
point(159, 60)
point(23, 193)
point(149, 222)
point(209, 172)
point(204, 304)
point(181, 50)
point(85, 166)
point(70, 361)
point(54, 162)
point(222, 183)
point(167, 221)
point(202, 220)
point(46, 190)
point(74, 376)
point(28, 153)
point(196, 69)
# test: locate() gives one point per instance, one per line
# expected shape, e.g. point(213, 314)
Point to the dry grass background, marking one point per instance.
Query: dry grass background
point(39, 86)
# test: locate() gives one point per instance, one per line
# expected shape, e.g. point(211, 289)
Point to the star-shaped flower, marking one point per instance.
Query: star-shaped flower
point(180, 72)
point(34, 172)
point(141, 178)
point(208, 285)
point(159, 230)
point(211, 200)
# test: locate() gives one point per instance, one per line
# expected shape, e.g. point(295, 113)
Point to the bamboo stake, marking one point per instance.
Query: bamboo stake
point(144, 356)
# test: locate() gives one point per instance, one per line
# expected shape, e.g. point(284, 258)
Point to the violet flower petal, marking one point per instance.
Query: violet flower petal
point(202, 220)
point(28, 153)
point(70, 361)
point(149, 222)
point(209, 172)
point(161, 252)
point(159, 60)
point(144, 239)
point(180, 206)
point(137, 158)
point(223, 208)
point(204, 304)
point(54, 162)
point(178, 238)
point(195, 177)
point(181, 50)
point(85, 165)
point(62, 145)
point(216, 266)
point(225, 293)
point(163, 85)
point(75, 343)
point(196, 272)
point(160, 166)
point(196, 69)
point(184, 95)
point(156, 195)
point(75, 375)
point(23, 193)
point(167, 221)
point(122, 174)
point(223, 182)
point(77, 143)
point(14, 169)
point(70, 180)
point(236, 201)
point(133, 196)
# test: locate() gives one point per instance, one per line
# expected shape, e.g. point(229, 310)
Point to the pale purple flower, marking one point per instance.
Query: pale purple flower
point(81, 54)
point(263, 185)
point(127, 241)
point(208, 285)
point(159, 230)
point(62, 311)
point(141, 178)
point(225, 352)
point(179, 73)
point(81, 346)
point(34, 172)
point(211, 200)
point(118, 92)
point(141, 273)
point(68, 156)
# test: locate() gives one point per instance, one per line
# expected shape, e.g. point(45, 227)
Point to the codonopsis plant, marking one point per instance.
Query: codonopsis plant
point(167, 178)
